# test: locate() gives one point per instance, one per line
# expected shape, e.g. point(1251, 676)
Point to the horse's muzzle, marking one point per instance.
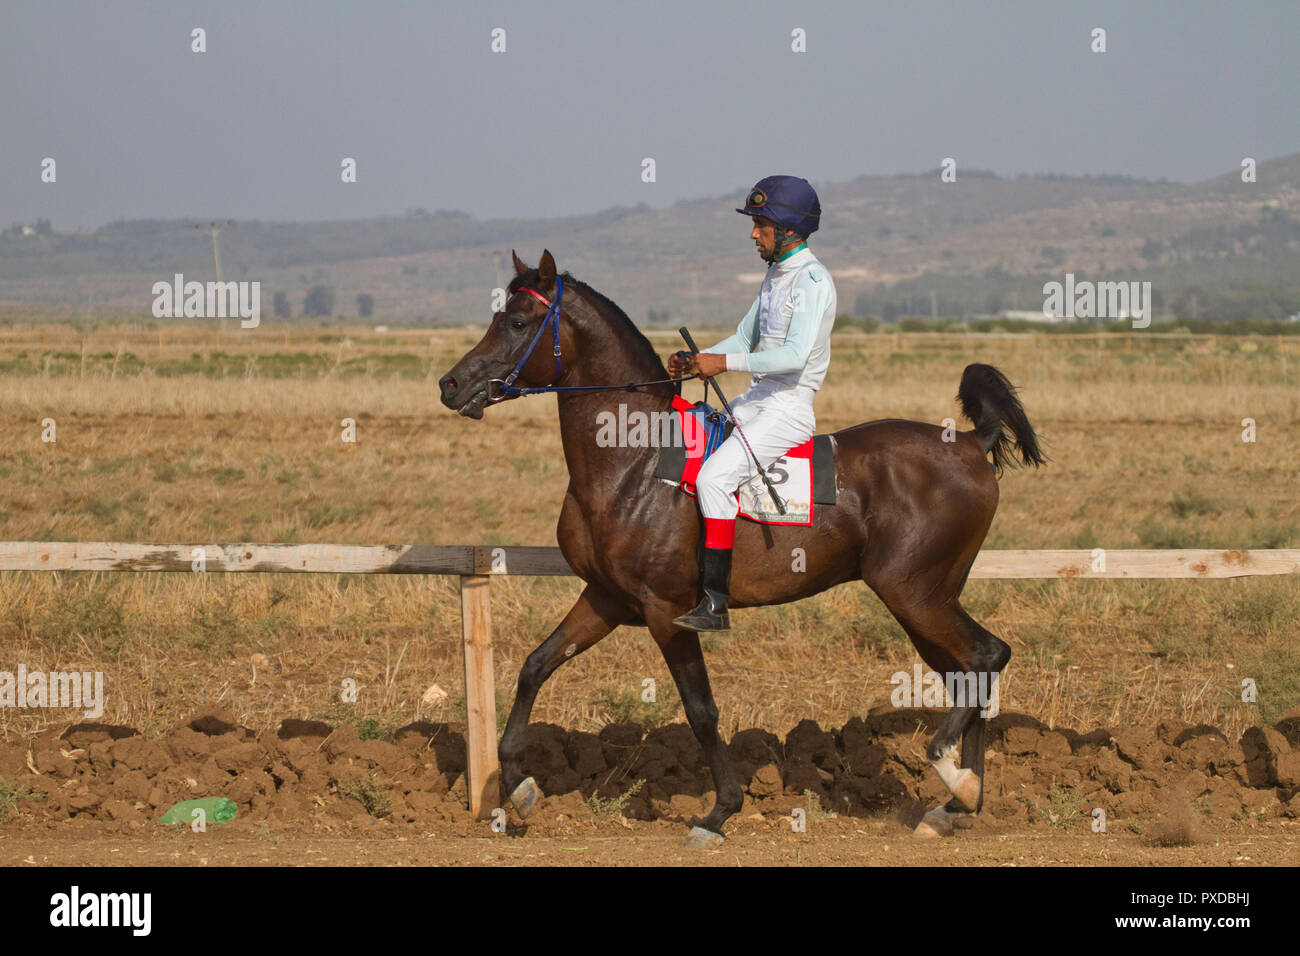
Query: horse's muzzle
point(466, 401)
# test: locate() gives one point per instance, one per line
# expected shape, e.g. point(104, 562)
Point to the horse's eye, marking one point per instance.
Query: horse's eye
point(517, 323)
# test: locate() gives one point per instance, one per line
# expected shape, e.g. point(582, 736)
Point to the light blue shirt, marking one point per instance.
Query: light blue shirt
point(785, 335)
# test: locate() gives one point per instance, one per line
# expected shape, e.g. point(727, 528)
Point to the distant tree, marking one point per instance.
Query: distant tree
point(1054, 255)
point(1152, 249)
point(281, 305)
point(365, 305)
point(319, 301)
point(43, 228)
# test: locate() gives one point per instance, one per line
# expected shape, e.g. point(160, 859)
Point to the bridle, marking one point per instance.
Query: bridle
point(505, 388)
point(553, 320)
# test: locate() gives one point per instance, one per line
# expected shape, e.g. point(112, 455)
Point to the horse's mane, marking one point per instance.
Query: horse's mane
point(605, 304)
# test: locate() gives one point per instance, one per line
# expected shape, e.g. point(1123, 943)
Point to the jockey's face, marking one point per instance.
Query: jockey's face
point(764, 235)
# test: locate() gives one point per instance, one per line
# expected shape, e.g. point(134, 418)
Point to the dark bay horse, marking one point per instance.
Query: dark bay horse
point(914, 506)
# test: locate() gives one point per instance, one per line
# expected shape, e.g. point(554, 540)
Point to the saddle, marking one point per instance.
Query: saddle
point(804, 476)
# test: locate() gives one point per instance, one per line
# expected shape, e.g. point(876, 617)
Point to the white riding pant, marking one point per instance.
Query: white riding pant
point(774, 421)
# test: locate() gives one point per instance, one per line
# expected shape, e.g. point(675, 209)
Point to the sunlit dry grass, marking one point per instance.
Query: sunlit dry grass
point(241, 445)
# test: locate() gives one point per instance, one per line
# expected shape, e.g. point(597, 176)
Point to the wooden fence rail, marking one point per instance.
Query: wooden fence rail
point(475, 565)
point(487, 560)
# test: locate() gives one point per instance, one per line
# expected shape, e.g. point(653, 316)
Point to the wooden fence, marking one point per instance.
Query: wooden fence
point(475, 565)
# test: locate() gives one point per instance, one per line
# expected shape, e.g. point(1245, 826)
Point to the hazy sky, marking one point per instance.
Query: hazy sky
point(256, 127)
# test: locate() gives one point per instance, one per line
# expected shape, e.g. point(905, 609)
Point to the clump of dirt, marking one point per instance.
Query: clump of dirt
point(1177, 824)
point(1159, 781)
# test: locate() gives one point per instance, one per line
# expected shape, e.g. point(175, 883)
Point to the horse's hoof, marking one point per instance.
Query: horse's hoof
point(702, 839)
point(525, 796)
point(936, 823)
point(966, 789)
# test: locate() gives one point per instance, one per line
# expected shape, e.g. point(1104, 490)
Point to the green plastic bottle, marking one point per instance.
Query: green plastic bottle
point(215, 809)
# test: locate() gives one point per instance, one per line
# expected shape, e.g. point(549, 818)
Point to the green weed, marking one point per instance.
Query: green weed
point(612, 807)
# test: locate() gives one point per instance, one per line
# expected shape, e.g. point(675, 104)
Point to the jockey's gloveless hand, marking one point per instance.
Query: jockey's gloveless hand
point(701, 363)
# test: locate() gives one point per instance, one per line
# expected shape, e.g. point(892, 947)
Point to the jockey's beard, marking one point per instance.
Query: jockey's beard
point(783, 242)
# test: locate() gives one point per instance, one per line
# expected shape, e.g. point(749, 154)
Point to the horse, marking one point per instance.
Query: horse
point(915, 502)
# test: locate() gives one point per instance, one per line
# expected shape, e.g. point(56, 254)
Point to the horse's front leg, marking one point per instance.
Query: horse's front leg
point(685, 659)
point(593, 617)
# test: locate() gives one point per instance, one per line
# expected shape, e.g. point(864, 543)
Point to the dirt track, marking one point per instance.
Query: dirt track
point(872, 843)
point(1172, 794)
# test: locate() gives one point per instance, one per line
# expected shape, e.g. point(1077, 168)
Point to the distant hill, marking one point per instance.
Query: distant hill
point(895, 245)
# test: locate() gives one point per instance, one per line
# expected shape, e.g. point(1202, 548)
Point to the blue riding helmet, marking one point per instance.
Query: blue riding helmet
point(788, 201)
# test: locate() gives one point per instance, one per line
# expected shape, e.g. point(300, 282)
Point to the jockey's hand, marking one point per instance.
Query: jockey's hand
point(700, 363)
point(679, 363)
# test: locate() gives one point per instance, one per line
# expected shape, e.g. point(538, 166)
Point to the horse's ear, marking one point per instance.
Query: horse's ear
point(520, 268)
point(546, 268)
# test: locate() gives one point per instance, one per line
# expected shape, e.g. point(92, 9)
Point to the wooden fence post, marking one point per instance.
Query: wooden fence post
point(482, 775)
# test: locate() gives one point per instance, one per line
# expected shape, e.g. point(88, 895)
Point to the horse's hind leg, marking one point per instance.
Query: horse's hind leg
point(968, 657)
point(592, 618)
point(685, 659)
point(988, 657)
point(965, 784)
point(974, 743)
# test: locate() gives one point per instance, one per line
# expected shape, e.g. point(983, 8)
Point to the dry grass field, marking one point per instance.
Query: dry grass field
point(182, 436)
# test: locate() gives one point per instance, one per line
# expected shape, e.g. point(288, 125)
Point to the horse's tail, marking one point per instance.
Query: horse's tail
point(989, 400)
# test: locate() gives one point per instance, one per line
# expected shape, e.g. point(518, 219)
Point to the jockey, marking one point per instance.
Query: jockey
point(784, 342)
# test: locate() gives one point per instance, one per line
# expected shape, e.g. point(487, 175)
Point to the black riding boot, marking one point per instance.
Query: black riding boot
point(715, 577)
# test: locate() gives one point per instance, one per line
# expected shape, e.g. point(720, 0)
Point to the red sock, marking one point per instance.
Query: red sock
point(719, 532)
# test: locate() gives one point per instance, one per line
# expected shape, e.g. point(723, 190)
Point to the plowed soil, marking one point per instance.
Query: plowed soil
point(312, 794)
